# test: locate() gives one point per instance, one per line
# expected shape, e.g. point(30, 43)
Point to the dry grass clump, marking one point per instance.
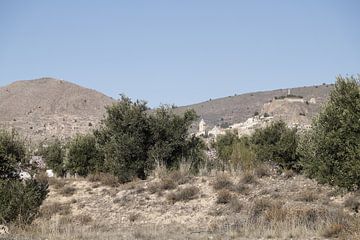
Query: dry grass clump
point(179, 177)
point(248, 178)
point(105, 179)
point(259, 207)
point(333, 230)
point(68, 191)
point(288, 173)
point(47, 211)
point(224, 196)
point(183, 194)
point(307, 196)
point(235, 205)
point(83, 219)
point(276, 212)
point(262, 171)
point(353, 203)
point(222, 181)
point(56, 183)
point(133, 217)
point(241, 188)
point(164, 184)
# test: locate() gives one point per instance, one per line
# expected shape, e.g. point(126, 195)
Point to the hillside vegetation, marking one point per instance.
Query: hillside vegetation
point(142, 175)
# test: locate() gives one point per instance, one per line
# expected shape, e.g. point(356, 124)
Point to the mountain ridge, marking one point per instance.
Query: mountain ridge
point(47, 108)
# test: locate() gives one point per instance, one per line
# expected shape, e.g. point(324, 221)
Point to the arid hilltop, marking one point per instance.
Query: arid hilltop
point(45, 108)
point(238, 108)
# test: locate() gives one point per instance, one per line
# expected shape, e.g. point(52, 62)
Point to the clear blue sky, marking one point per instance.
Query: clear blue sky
point(180, 52)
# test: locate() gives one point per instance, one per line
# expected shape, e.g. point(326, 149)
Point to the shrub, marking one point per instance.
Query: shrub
point(224, 146)
point(184, 194)
point(83, 156)
point(47, 211)
point(248, 178)
point(307, 196)
point(12, 153)
point(132, 141)
point(353, 203)
point(20, 201)
point(222, 181)
point(170, 141)
point(105, 178)
point(243, 155)
point(68, 191)
point(54, 155)
point(224, 197)
point(330, 151)
point(277, 143)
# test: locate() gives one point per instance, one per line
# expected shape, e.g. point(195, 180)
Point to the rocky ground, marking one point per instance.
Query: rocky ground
point(257, 205)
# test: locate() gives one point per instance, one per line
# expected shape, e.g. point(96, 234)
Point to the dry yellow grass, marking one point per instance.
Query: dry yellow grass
point(199, 208)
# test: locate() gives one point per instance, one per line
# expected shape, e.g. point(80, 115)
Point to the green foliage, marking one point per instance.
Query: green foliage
point(330, 151)
point(170, 141)
point(243, 155)
point(12, 153)
point(224, 146)
point(83, 156)
point(132, 141)
point(276, 143)
point(20, 201)
point(54, 155)
point(125, 138)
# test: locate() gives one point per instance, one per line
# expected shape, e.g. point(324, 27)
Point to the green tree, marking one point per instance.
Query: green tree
point(224, 146)
point(54, 155)
point(330, 152)
point(12, 154)
point(277, 143)
point(83, 155)
point(131, 140)
point(124, 139)
point(169, 138)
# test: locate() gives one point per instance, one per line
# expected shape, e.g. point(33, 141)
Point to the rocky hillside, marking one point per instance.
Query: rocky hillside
point(46, 108)
point(238, 108)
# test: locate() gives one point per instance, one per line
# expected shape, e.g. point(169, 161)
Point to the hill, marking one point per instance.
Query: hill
point(238, 108)
point(45, 108)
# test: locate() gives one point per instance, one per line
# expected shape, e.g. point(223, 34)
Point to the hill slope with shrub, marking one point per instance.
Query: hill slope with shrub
point(42, 108)
point(238, 108)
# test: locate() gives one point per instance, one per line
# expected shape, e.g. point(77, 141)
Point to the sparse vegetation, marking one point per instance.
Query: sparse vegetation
point(224, 197)
point(183, 194)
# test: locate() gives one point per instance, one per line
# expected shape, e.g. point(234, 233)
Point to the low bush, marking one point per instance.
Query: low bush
point(83, 156)
point(20, 201)
point(183, 194)
point(106, 179)
point(68, 191)
point(224, 197)
point(49, 210)
point(54, 155)
point(222, 181)
point(277, 143)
